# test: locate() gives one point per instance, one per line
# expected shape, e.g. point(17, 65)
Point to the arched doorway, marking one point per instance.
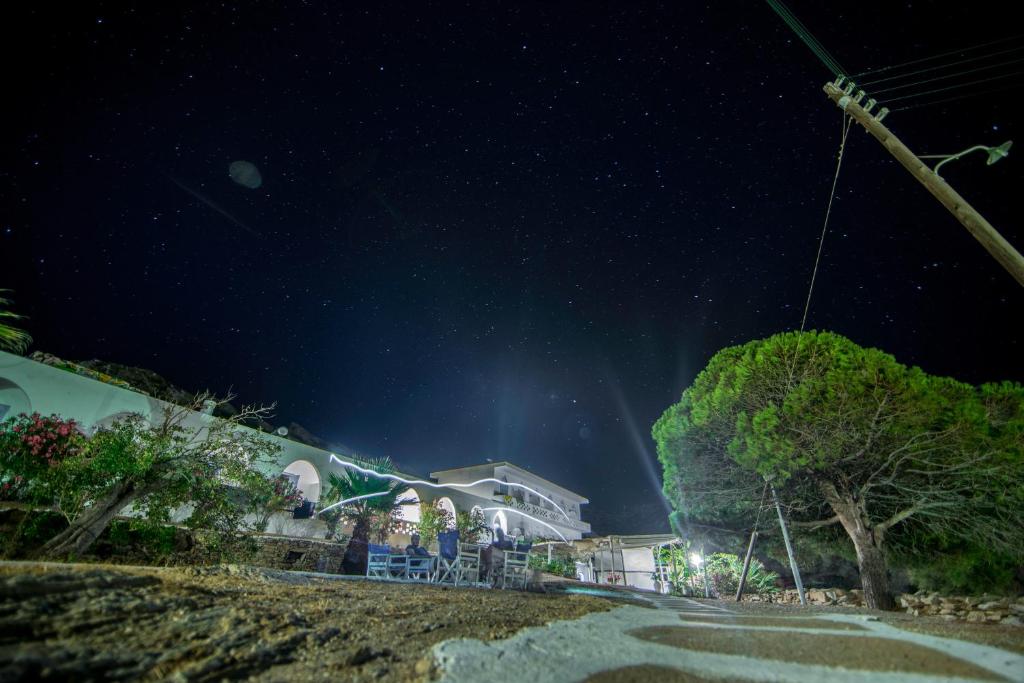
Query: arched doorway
point(410, 507)
point(500, 522)
point(306, 479)
point(447, 505)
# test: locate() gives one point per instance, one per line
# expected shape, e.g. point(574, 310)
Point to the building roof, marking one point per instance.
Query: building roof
point(504, 463)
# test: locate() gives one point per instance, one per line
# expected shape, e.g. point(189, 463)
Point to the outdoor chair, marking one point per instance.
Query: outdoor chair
point(398, 566)
point(515, 571)
point(469, 562)
point(420, 567)
point(457, 562)
point(378, 562)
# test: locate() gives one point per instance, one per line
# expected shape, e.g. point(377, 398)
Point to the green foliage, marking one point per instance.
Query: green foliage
point(964, 569)
point(433, 520)
point(142, 539)
point(268, 496)
point(371, 515)
point(354, 484)
point(471, 525)
point(848, 431)
point(559, 566)
point(724, 571)
point(33, 449)
point(155, 468)
point(11, 338)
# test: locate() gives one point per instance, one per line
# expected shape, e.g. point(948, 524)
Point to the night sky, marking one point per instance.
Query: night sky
point(491, 230)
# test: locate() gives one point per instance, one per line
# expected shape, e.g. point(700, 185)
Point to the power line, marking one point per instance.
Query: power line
point(941, 66)
point(952, 87)
point(828, 212)
point(960, 97)
point(805, 35)
point(947, 76)
point(938, 56)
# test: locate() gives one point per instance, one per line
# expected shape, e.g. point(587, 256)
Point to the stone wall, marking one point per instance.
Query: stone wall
point(815, 596)
point(300, 554)
point(986, 608)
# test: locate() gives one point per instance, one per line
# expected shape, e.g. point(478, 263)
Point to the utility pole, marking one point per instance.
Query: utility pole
point(1001, 250)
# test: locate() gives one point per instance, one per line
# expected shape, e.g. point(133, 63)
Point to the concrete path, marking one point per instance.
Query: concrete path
point(686, 641)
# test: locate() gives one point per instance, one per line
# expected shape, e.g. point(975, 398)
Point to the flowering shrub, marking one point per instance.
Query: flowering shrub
point(272, 495)
point(31, 449)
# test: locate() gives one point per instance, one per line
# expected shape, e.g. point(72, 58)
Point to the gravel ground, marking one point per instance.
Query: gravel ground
point(997, 635)
point(101, 622)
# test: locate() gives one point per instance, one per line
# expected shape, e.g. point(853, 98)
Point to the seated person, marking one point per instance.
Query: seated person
point(414, 547)
point(500, 541)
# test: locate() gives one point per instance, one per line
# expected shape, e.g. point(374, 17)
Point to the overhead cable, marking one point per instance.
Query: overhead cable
point(938, 56)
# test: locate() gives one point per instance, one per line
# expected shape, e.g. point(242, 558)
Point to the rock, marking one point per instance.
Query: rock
point(995, 604)
point(976, 616)
point(1011, 621)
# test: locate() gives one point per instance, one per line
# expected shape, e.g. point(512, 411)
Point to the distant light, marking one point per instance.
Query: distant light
point(696, 560)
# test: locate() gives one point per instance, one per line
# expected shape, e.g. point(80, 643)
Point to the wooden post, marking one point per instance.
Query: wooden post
point(789, 550)
point(746, 565)
point(1001, 250)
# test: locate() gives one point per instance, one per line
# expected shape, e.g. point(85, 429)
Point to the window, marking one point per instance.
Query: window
point(503, 488)
point(534, 499)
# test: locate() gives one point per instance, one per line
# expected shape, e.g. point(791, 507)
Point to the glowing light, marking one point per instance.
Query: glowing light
point(410, 482)
point(352, 500)
point(518, 512)
point(695, 559)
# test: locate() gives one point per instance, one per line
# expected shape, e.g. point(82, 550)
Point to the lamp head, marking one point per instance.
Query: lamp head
point(997, 153)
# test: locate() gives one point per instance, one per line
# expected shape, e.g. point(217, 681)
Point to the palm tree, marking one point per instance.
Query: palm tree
point(11, 338)
point(361, 513)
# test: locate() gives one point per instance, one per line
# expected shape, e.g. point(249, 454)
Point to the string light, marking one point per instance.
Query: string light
point(564, 539)
point(410, 482)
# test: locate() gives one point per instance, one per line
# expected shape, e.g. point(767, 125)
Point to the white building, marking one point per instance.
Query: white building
point(519, 502)
point(28, 386)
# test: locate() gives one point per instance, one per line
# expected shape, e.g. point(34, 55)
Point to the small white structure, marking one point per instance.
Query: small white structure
point(628, 561)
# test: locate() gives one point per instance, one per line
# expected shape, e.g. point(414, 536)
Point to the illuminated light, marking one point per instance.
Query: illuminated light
point(523, 514)
point(352, 500)
point(696, 560)
point(410, 482)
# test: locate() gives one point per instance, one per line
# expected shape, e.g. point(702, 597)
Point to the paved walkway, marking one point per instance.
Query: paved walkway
point(686, 641)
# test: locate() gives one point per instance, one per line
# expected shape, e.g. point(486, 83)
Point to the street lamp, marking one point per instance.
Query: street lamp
point(994, 154)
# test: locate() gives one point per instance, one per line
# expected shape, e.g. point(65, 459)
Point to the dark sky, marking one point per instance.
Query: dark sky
point(492, 230)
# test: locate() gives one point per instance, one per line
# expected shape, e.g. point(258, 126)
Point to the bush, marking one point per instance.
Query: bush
point(558, 566)
point(724, 571)
point(32, 449)
point(138, 539)
point(967, 570)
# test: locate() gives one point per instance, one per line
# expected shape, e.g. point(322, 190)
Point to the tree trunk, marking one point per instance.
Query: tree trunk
point(81, 534)
point(874, 577)
point(356, 553)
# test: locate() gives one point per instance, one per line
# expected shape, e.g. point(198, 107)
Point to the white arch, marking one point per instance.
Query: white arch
point(446, 504)
point(411, 512)
point(499, 521)
point(306, 478)
point(13, 400)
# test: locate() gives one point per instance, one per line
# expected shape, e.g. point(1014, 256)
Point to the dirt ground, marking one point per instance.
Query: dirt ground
point(1006, 637)
point(102, 622)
